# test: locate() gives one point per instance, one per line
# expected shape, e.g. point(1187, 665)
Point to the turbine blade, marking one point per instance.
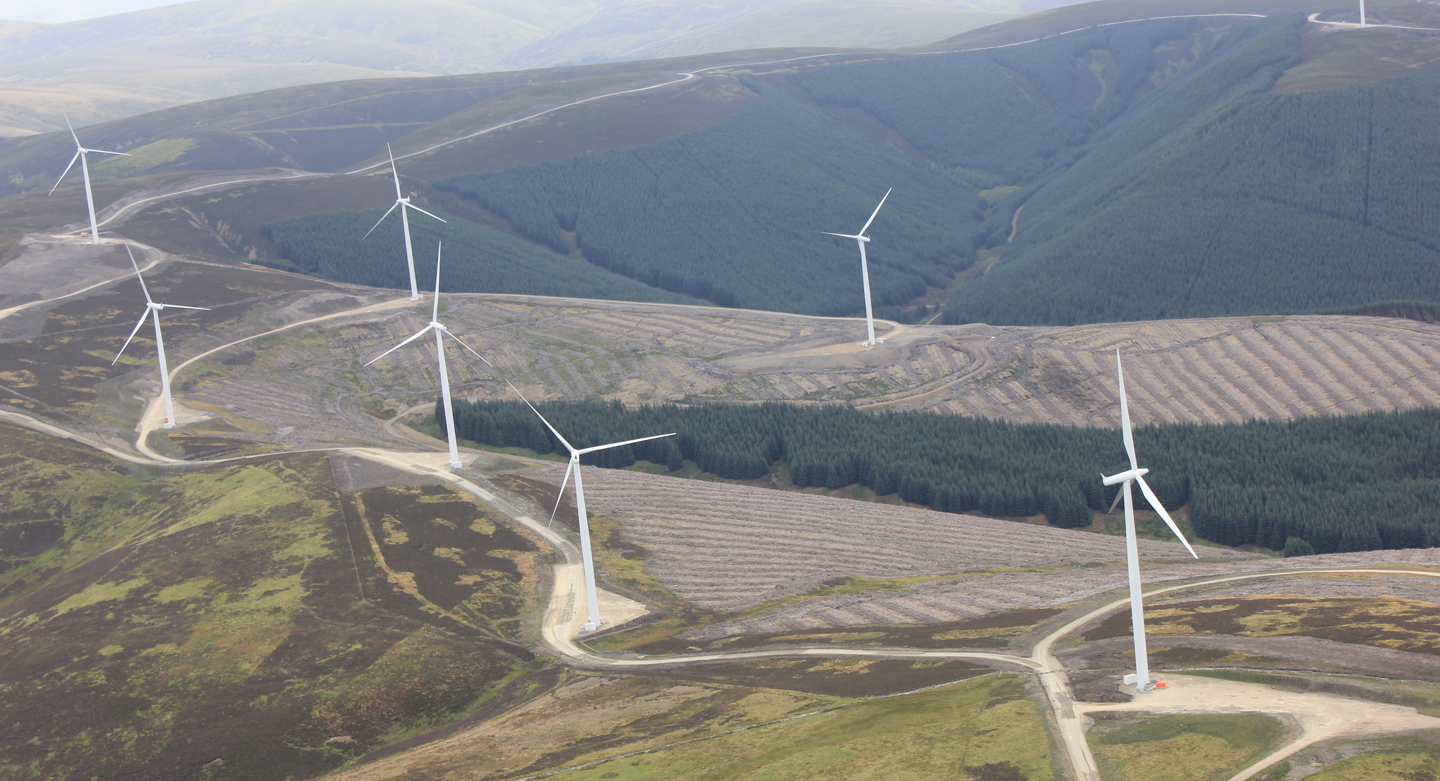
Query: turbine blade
point(1125, 414)
point(435, 315)
point(618, 444)
point(72, 129)
point(398, 195)
point(417, 335)
point(877, 211)
point(177, 306)
point(841, 235)
point(136, 330)
point(541, 417)
point(138, 275)
point(422, 211)
point(466, 346)
point(103, 152)
point(67, 170)
point(382, 219)
point(1159, 508)
point(1118, 496)
point(561, 494)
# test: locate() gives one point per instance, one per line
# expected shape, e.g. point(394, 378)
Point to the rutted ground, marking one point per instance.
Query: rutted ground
point(727, 547)
point(306, 386)
point(1183, 371)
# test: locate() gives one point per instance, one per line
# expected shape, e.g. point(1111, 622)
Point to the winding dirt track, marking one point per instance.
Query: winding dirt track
point(564, 615)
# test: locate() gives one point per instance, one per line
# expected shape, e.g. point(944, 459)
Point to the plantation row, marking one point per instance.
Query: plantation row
point(727, 547)
point(1224, 198)
point(733, 213)
point(1339, 484)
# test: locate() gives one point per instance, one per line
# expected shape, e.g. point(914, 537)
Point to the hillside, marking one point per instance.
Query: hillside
point(130, 63)
point(703, 176)
point(722, 213)
point(1227, 199)
point(218, 622)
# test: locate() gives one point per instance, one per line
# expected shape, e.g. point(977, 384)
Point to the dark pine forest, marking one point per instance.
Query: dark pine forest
point(1324, 484)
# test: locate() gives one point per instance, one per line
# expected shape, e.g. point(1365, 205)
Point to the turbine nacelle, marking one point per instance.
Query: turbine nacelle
point(1124, 477)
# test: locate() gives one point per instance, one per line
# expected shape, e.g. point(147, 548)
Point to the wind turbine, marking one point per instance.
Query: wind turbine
point(440, 333)
point(152, 310)
point(80, 152)
point(1136, 474)
point(1362, 14)
point(586, 556)
point(861, 239)
point(403, 203)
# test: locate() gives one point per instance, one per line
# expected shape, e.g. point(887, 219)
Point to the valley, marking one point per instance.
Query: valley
point(888, 561)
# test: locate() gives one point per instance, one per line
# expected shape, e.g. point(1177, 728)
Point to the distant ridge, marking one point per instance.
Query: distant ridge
point(130, 63)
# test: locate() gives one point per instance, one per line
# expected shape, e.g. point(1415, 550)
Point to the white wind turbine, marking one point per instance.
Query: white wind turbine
point(440, 333)
point(861, 239)
point(80, 152)
point(586, 555)
point(403, 203)
point(1136, 474)
point(152, 310)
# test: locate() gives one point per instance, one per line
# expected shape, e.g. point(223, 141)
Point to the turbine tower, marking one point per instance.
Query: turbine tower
point(1362, 14)
point(403, 203)
point(152, 311)
point(861, 239)
point(587, 557)
point(80, 152)
point(440, 333)
point(1136, 474)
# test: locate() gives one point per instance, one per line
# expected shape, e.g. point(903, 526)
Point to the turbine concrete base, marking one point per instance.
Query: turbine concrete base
point(1133, 690)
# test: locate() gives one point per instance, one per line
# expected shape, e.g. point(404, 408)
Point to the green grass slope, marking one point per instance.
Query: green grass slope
point(983, 730)
point(233, 621)
point(1223, 198)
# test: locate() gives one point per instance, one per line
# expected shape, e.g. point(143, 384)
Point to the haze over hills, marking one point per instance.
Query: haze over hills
point(736, 160)
point(126, 64)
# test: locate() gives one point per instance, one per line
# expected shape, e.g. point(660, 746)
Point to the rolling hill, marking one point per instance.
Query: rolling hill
point(130, 63)
point(1230, 199)
point(1174, 167)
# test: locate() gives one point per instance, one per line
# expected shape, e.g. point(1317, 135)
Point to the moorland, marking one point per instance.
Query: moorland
point(852, 561)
